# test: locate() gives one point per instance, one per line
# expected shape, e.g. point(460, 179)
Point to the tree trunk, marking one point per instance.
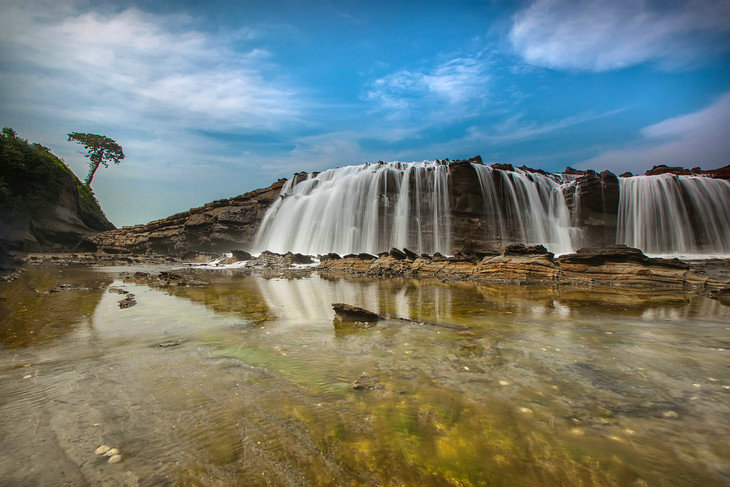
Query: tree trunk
point(92, 170)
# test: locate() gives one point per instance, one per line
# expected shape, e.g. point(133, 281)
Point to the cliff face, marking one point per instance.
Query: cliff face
point(592, 201)
point(219, 226)
point(43, 205)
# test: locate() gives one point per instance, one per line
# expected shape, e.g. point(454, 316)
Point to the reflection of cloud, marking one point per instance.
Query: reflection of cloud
point(600, 35)
point(699, 138)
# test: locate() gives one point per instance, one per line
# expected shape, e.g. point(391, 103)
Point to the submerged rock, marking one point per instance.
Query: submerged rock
point(102, 449)
point(127, 302)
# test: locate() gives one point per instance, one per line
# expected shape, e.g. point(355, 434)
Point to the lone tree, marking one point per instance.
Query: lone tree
point(100, 149)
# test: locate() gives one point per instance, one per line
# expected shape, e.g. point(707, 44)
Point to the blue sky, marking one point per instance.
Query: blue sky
point(213, 99)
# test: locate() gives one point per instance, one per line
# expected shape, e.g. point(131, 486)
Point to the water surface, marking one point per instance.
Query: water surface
point(547, 386)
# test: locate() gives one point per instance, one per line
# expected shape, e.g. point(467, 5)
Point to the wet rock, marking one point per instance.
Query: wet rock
point(102, 450)
point(397, 254)
point(171, 343)
point(127, 302)
point(330, 256)
point(298, 258)
point(241, 255)
point(366, 382)
point(117, 290)
point(348, 313)
point(617, 254)
point(410, 254)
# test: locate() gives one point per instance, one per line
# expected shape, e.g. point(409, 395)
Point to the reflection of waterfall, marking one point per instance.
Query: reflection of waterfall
point(366, 208)
point(525, 207)
point(670, 214)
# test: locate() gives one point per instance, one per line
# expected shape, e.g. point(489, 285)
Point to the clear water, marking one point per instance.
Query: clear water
point(546, 387)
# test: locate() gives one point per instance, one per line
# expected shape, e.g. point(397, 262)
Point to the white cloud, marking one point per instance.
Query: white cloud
point(457, 86)
point(152, 82)
point(695, 139)
point(601, 35)
point(148, 64)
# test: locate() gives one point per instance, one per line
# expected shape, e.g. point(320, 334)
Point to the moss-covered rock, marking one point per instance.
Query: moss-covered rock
point(42, 202)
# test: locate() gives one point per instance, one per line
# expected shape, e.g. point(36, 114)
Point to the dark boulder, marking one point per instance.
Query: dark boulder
point(410, 254)
point(347, 312)
point(397, 254)
point(241, 255)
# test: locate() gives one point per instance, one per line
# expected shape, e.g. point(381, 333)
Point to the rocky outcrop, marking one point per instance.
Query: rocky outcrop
point(219, 226)
point(43, 205)
point(613, 265)
point(719, 173)
point(224, 225)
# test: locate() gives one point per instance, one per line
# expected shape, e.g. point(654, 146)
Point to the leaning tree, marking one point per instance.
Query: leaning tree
point(100, 149)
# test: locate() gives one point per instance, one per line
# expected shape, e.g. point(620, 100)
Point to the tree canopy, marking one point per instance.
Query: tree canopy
point(100, 149)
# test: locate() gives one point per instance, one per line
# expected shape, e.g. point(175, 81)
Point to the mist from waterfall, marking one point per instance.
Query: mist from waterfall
point(527, 207)
point(670, 214)
point(366, 208)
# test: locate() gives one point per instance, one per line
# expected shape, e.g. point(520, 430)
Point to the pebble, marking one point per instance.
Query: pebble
point(671, 414)
point(115, 459)
point(111, 452)
point(503, 383)
point(102, 450)
point(525, 410)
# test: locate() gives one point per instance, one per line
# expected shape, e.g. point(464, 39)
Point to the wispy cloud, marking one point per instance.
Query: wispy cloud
point(698, 138)
point(152, 82)
point(601, 35)
point(458, 86)
point(145, 63)
point(516, 128)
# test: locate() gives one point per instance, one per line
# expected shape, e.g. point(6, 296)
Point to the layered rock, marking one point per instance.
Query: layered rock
point(613, 265)
point(218, 226)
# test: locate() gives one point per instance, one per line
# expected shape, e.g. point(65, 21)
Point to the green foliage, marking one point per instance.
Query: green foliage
point(100, 149)
point(31, 178)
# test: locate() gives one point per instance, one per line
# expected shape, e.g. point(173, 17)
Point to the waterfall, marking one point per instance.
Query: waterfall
point(526, 207)
point(366, 208)
point(670, 214)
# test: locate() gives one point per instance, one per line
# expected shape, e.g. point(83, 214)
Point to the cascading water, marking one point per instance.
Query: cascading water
point(373, 207)
point(526, 207)
point(670, 214)
point(365, 208)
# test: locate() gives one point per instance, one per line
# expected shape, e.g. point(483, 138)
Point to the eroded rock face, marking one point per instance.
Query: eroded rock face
point(215, 227)
point(593, 205)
